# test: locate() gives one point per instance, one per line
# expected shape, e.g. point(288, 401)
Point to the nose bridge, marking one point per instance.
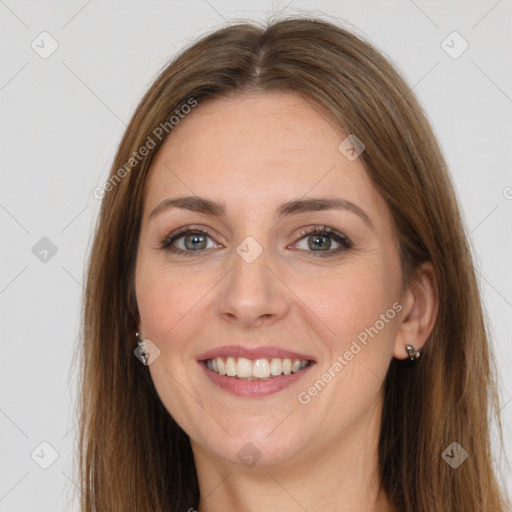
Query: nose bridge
point(251, 290)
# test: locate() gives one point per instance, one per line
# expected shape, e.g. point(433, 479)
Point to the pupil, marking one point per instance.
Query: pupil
point(325, 245)
point(195, 241)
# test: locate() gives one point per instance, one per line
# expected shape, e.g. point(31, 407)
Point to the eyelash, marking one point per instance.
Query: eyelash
point(338, 237)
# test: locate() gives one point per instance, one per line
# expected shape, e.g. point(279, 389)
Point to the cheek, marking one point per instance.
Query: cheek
point(163, 297)
point(354, 299)
point(360, 307)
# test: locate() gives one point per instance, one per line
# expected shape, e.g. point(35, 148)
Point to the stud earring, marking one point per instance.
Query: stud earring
point(142, 347)
point(413, 353)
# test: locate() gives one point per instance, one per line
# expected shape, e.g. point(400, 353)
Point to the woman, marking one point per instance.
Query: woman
point(280, 236)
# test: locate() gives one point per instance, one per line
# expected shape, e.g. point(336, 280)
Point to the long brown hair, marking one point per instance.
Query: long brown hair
point(132, 455)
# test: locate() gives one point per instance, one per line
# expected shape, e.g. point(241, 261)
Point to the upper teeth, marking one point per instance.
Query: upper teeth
point(258, 369)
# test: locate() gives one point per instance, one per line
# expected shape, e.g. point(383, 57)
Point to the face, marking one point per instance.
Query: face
point(273, 292)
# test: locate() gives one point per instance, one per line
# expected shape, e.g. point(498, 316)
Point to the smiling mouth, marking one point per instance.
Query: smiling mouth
point(257, 369)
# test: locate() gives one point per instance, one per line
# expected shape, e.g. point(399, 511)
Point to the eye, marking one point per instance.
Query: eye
point(320, 239)
point(189, 240)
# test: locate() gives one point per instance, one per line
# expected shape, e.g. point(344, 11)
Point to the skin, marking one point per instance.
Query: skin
point(252, 152)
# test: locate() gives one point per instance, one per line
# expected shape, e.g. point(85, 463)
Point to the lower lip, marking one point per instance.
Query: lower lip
point(254, 388)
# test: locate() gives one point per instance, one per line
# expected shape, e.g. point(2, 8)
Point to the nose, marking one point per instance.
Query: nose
point(253, 294)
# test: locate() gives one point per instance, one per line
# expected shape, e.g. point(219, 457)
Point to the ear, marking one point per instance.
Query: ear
point(419, 313)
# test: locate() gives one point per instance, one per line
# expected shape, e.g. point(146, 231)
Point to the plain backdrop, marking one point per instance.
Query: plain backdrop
point(63, 114)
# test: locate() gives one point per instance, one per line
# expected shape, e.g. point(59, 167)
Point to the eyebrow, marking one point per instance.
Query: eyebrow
point(209, 207)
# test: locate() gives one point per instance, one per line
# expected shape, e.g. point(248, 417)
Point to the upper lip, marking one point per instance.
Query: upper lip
point(264, 352)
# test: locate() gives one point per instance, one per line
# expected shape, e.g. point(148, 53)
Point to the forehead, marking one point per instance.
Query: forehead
point(255, 149)
point(283, 126)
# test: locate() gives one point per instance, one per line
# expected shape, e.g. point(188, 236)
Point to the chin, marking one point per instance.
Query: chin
point(262, 446)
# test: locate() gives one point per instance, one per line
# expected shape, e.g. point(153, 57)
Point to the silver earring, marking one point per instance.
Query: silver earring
point(414, 353)
point(142, 347)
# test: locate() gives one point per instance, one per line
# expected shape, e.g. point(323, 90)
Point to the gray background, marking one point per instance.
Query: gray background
point(63, 116)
